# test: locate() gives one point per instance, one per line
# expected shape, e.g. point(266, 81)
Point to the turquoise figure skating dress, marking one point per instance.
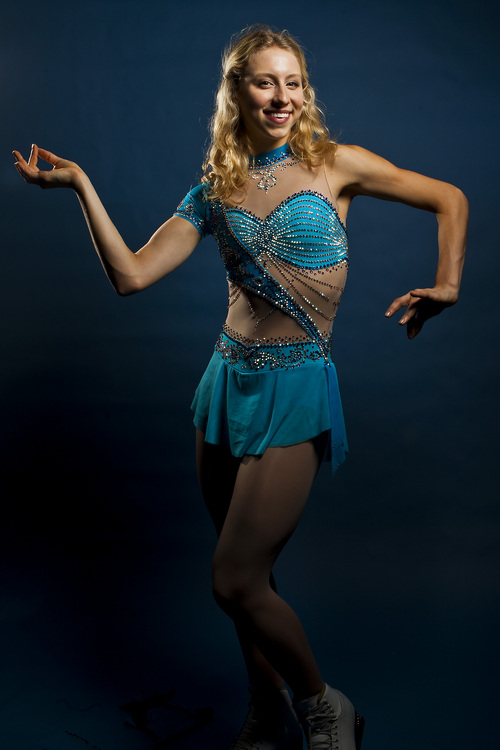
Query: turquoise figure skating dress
point(271, 380)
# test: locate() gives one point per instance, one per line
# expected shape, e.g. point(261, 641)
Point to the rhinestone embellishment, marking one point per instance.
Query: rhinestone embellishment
point(262, 168)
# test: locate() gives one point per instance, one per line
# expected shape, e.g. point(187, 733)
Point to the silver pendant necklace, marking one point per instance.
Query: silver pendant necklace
point(262, 168)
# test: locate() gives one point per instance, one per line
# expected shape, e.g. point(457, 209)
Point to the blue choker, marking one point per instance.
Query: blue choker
point(270, 157)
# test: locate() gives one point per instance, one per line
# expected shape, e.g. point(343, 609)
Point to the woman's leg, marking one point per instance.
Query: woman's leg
point(217, 470)
point(255, 519)
point(269, 496)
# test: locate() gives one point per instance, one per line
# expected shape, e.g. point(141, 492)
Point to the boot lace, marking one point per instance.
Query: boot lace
point(321, 727)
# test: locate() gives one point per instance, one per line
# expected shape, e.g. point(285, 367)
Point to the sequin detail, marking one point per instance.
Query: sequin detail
point(286, 258)
point(263, 167)
point(291, 259)
point(303, 229)
point(281, 153)
point(195, 208)
point(246, 354)
point(271, 380)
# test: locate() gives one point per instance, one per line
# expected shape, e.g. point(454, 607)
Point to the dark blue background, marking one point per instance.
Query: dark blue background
point(106, 547)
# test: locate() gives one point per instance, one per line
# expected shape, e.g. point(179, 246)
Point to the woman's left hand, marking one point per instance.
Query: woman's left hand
point(421, 304)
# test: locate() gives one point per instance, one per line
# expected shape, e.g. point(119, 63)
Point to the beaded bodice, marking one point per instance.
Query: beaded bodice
point(284, 249)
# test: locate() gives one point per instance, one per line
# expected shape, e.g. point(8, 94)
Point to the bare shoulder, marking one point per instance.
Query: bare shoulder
point(346, 153)
point(351, 162)
point(346, 168)
point(357, 171)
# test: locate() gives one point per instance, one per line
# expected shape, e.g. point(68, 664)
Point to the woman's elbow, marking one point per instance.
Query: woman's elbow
point(459, 200)
point(125, 286)
point(452, 202)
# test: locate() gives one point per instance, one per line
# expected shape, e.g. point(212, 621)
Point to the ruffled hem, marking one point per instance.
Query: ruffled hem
point(249, 412)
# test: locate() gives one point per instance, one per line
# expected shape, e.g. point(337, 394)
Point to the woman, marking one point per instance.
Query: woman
point(275, 195)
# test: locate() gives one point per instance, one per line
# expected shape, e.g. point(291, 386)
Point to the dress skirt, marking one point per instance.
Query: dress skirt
point(254, 397)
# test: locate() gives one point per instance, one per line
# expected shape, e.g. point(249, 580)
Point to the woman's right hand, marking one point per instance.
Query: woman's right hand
point(64, 173)
point(128, 272)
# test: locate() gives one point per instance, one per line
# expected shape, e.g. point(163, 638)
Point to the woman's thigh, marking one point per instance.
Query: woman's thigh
point(268, 498)
point(217, 469)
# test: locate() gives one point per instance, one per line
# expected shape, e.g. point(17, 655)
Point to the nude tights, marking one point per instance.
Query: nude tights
point(256, 503)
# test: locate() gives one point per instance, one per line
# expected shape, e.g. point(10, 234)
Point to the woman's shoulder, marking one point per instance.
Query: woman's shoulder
point(199, 192)
point(195, 207)
point(351, 164)
point(345, 170)
point(345, 155)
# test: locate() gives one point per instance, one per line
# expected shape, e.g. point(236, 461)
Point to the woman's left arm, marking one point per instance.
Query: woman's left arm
point(363, 173)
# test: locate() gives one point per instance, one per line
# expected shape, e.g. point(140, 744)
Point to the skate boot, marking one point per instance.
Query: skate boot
point(330, 722)
point(271, 724)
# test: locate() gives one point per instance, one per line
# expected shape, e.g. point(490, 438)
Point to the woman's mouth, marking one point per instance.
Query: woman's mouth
point(277, 117)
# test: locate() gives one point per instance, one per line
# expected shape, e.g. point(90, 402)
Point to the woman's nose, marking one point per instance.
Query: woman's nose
point(281, 95)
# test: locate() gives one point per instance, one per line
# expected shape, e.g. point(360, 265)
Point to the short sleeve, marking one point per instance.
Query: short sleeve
point(196, 208)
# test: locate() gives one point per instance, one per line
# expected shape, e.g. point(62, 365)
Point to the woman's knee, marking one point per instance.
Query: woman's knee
point(237, 589)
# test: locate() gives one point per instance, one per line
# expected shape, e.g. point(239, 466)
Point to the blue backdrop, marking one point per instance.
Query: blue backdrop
point(106, 547)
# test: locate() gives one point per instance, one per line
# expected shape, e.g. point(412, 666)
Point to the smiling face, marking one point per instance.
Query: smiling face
point(270, 97)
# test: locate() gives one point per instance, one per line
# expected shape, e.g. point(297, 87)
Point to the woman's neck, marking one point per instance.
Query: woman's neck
point(266, 157)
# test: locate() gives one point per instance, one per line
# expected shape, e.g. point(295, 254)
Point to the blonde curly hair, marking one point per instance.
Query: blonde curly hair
point(226, 164)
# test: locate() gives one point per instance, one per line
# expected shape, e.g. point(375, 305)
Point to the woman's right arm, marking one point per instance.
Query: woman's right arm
point(127, 271)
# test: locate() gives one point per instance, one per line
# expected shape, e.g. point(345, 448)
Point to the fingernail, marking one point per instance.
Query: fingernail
point(387, 314)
